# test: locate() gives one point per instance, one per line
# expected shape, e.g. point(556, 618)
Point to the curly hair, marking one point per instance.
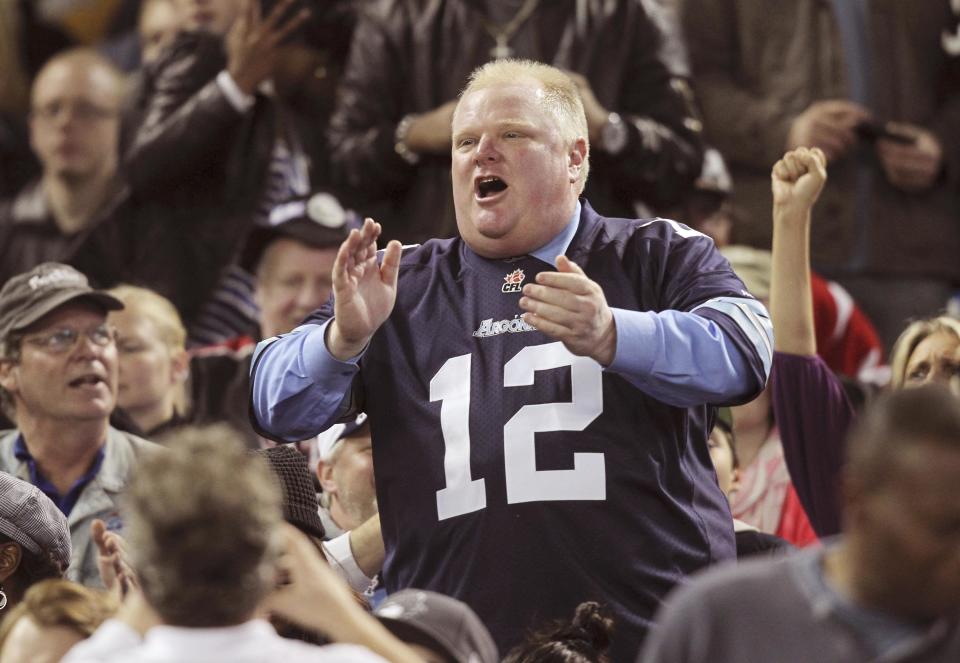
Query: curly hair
point(585, 639)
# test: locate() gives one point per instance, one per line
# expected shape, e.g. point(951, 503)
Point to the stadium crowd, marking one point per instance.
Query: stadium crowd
point(466, 331)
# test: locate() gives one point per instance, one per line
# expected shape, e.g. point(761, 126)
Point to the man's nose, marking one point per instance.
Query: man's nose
point(486, 150)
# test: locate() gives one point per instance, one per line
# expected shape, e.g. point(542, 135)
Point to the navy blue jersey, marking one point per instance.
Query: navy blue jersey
point(520, 478)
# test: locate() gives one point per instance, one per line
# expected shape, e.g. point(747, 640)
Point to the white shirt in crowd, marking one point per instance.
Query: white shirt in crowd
point(251, 642)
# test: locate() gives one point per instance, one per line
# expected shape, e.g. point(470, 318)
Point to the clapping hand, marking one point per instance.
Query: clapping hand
point(364, 290)
point(571, 308)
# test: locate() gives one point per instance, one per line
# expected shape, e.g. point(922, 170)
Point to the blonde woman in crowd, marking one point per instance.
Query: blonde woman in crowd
point(810, 405)
point(154, 365)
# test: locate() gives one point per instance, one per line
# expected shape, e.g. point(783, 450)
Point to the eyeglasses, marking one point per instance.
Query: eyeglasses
point(83, 111)
point(64, 340)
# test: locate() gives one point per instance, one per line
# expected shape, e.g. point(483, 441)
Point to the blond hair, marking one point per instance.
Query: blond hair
point(561, 97)
point(911, 337)
point(201, 522)
point(58, 602)
point(163, 315)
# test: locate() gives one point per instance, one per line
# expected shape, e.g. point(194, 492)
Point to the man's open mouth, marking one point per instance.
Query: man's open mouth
point(86, 380)
point(489, 186)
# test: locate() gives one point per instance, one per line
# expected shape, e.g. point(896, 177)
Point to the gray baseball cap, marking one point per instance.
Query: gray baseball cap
point(440, 623)
point(31, 519)
point(29, 296)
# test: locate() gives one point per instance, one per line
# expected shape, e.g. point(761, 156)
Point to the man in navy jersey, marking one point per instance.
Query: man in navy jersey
point(537, 388)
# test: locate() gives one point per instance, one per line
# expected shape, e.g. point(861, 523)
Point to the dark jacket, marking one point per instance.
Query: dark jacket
point(411, 56)
point(196, 168)
point(758, 64)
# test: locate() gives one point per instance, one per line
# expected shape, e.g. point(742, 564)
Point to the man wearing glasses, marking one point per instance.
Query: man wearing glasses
point(74, 131)
point(58, 382)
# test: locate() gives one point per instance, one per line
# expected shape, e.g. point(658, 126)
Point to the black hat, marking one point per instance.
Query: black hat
point(29, 296)
point(318, 221)
point(440, 623)
point(300, 507)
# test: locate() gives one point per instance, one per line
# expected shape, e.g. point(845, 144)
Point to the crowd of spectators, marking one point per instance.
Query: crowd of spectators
point(479, 330)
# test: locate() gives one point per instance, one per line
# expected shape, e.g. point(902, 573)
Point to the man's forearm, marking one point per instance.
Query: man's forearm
point(297, 388)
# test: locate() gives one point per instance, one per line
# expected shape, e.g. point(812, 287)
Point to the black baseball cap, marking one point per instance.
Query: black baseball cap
point(29, 296)
point(440, 623)
point(319, 221)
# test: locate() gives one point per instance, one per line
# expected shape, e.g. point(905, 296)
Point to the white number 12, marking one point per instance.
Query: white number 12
point(587, 479)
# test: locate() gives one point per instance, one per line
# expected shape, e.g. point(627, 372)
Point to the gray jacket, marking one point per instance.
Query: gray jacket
point(99, 499)
point(773, 610)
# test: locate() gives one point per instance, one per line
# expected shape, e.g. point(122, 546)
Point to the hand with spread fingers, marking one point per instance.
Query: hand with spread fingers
point(253, 44)
point(571, 308)
point(364, 290)
point(113, 560)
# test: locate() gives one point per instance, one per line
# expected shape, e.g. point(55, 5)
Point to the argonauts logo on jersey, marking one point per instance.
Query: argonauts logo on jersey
point(491, 327)
point(514, 281)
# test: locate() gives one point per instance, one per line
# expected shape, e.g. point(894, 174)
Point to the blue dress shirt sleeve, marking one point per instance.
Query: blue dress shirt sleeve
point(302, 389)
point(688, 358)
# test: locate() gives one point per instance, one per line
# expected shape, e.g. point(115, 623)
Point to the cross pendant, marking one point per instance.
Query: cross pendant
point(501, 50)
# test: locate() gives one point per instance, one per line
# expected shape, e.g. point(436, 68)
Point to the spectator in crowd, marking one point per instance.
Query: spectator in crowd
point(648, 318)
point(53, 617)
point(210, 552)
point(439, 628)
point(887, 589)
point(876, 86)
point(585, 639)
point(356, 554)
point(74, 129)
point(34, 540)
point(809, 403)
point(726, 462)
point(153, 364)
point(229, 124)
point(391, 131)
point(345, 471)
point(292, 262)
point(58, 378)
point(927, 351)
point(157, 27)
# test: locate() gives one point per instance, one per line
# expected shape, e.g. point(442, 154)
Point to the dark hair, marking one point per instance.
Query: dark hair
point(727, 430)
point(896, 422)
point(35, 567)
point(583, 640)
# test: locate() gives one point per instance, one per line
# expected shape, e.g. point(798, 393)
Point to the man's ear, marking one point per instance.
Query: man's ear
point(325, 475)
point(577, 159)
point(10, 556)
point(8, 375)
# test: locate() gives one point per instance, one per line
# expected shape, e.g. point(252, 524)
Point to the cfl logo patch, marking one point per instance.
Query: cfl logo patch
point(513, 281)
